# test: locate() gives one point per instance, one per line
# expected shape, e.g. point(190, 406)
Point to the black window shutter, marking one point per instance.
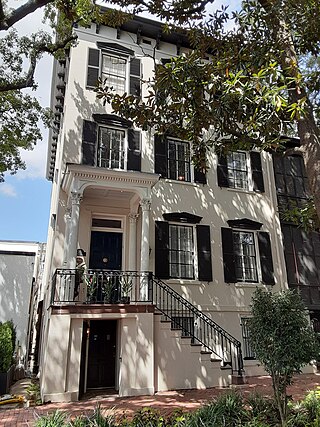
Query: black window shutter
point(256, 168)
point(199, 176)
point(135, 77)
point(160, 154)
point(266, 258)
point(229, 265)
point(89, 141)
point(134, 150)
point(162, 249)
point(93, 67)
point(204, 252)
point(222, 170)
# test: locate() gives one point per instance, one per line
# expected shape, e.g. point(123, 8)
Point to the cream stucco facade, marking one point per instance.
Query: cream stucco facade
point(122, 208)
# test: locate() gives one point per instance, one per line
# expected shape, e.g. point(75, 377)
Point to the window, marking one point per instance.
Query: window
point(113, 72)
point(248, 352)
point(245, 256)
point(178, 160)
point(302, 256)
point(238, 170)
point(291, 181)
point(173, 160)
point(111, 148)
point(181, 252)
point(116, 65)
point(241, 170)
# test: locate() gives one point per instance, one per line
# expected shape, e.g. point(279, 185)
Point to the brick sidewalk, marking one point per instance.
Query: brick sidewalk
point(165, 402)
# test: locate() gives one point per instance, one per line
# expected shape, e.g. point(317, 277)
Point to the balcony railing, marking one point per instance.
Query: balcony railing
point(100, 286)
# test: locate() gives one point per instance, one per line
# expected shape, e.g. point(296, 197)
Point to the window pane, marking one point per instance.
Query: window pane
point(237, 170)
point(111, 148)
point(181, 254)
point(178, 160)
point(245, 256)
point(114, 72)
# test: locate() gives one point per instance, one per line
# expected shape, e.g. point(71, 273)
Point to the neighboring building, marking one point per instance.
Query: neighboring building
point(188, 249)
point(21, 264)
point(301, 248)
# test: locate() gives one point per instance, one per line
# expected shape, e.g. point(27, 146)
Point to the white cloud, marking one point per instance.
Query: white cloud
point(7, 190)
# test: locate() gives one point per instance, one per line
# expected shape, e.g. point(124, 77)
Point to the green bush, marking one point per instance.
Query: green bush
point(7, 345)
point(55, 419)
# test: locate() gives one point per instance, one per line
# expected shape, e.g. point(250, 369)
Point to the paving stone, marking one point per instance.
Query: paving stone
point(165, 402)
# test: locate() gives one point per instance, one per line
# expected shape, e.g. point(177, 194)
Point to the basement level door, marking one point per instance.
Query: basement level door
point(102, 354)
point(105, 250)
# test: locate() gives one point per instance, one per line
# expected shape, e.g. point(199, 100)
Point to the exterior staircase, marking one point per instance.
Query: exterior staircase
point(192, 342)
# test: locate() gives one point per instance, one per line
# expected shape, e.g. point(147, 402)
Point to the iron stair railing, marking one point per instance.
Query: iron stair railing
point(196, 325)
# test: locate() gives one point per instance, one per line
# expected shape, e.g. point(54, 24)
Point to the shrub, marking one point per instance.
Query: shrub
point(7, 345)
point(55, 419)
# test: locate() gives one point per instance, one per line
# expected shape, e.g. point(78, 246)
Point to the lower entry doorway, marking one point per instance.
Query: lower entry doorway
point(101, 367)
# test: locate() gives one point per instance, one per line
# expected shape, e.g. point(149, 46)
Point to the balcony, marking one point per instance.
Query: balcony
point(72, 286)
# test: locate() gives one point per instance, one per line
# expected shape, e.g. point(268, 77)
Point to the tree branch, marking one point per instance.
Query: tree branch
point(28, 80)
point(6, 21)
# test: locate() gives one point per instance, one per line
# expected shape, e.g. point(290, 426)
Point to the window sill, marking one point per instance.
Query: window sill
point(248, 284)
point(240, 190)
point(185, 282)
point(176, 181)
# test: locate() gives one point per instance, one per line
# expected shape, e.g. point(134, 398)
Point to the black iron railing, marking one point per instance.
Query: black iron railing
point(114, 287)
point(199, 327)
point(100, 286)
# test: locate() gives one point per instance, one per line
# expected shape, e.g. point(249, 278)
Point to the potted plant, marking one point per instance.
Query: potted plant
point(7, 347)
point(126, 288)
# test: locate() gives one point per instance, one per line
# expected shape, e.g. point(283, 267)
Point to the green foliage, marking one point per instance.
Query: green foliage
point(7, 345)
point(305, 217)
point(55, 419)
point(147, 417)
point(263, 409)
point(33, 392)
point(19, 128)
point(282, 339)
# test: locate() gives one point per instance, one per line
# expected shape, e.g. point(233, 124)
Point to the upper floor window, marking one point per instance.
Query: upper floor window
point(238, 170)
point(111, 148)
point(116, 66)
point(182, 250)
point(173, 160)
point(241, 170)
point(247, 254)
point(291, 181)
point(113, 72)
point(111, 144)
point(178, 160)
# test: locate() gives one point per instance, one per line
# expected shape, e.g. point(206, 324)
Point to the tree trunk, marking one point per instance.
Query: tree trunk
point(308, 131)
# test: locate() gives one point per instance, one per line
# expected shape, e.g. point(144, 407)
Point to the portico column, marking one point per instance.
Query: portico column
point(67, 218)
point(144, 261)
point(132, 259)
point(73, 229)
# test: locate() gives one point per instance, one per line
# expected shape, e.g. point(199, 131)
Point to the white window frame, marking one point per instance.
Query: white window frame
point(257, 256)
point(124, 148)
point(249, 171)
point(195, 255)
point(117, 55)
point(191, 174)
